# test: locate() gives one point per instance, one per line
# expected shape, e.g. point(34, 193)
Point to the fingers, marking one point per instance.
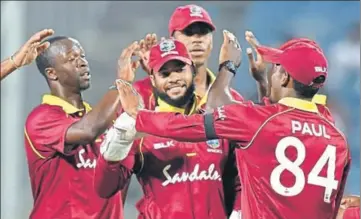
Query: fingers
point(251, 39)
point(230, 38)
point(252, 63)
point(42, 47)
point(135, 65)
point(129, 51)
point(41, 35)
point(154, 39)
point(225, 37)
point(142, 45)
point(150, 40)
point(121, 86)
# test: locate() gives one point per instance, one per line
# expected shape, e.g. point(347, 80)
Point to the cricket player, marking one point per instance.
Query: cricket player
point(193, 26)
point(180, 180)
point(27, 53)
point(292, 161)
point(63, 136)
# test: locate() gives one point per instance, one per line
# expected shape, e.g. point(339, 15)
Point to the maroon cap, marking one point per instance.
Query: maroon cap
point(299, 40)
point(184, 16)
point(167, 50)
point(303, 61)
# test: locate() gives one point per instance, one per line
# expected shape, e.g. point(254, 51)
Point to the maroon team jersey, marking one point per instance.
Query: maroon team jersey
point(292, 161)
point(61, 181)
point(193, 175)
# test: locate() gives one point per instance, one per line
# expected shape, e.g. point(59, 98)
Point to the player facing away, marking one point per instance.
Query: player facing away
point(179, 179)
point(63, 136)
point(293, 162)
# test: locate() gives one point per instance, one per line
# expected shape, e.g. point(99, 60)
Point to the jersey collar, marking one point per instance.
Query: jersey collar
point(165, 107)
point(67, 107)
point(296, 103)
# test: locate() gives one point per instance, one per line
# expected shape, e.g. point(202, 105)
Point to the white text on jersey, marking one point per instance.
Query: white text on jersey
point(309, 129)
point(85, 163)
point(195, 175)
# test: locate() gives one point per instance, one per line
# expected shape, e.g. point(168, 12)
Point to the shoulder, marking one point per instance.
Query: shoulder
point(43, 113)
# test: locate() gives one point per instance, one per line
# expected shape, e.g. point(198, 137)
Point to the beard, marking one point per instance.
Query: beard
point(178, 102)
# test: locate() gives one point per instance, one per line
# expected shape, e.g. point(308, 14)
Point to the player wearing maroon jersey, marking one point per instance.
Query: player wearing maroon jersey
point(192, 25)
point(62, 137)
point(167, 166)
point(26, 54)
point(292, 161)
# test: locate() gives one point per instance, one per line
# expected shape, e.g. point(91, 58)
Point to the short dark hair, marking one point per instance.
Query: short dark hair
point(307, 91)
point(45, 59)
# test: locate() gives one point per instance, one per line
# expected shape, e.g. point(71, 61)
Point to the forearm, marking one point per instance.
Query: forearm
point(220, 94)
point(106, 178)
point(7, 66)
point(171, 125)
point(96, 121)
point(261, 89)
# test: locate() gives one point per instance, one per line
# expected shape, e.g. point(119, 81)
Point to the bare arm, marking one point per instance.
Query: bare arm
point(26, 54)
point(7, 67)
point(95, 122)
point(220, 93)
point(103, 114)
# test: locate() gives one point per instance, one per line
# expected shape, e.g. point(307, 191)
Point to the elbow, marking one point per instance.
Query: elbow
point(104, 190)
point(105, 194)
point(89, 135)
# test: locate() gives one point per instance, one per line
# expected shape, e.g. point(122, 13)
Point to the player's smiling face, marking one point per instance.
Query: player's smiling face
point(198, 39)
point(174, 83)
point(71, 66)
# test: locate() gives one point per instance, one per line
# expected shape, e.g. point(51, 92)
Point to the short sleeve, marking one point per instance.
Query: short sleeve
point(236, 96)
point(45, 130)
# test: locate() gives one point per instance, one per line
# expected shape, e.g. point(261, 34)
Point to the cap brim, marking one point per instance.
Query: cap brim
point(159, 65)
point(270, 54)
point(195, 20)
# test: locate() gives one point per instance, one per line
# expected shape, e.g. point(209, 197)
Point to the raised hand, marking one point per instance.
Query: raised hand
point(257, 67)
point(32, 48)
point(230, 49)
point(130, 100)
point(145, 45)
point(127, 66)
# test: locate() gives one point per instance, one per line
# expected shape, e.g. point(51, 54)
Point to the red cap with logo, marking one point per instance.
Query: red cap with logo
point(303, 61)
point(168, 50)
point(184, 16)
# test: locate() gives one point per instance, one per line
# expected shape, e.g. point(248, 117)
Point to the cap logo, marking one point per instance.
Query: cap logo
point(320, 69)
point(167, 47)
point(195, 11)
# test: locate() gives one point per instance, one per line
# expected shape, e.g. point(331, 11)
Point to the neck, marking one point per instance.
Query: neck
point(188, 106)
point(292, 93)
point(200, 80)
point(74, 98)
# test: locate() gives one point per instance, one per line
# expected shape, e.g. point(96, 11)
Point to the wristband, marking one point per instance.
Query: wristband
point(13, 62)
point(114, 87)
point(229, 65)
